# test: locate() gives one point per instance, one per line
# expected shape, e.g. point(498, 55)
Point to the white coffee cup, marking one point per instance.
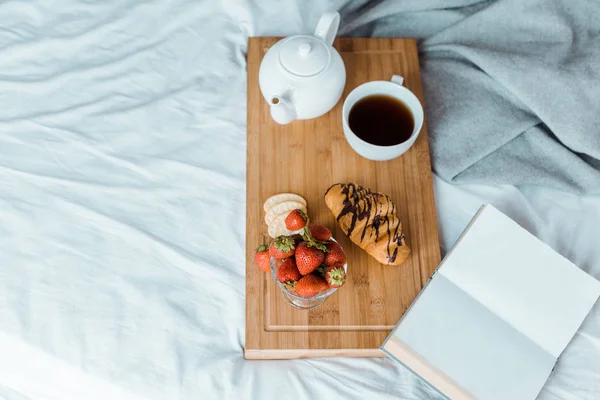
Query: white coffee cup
point(391, 88)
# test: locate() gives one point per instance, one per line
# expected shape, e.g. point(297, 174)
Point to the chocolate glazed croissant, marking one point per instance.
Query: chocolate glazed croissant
point(369, 219)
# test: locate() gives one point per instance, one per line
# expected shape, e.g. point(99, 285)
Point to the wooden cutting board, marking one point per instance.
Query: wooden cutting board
point(307, 157)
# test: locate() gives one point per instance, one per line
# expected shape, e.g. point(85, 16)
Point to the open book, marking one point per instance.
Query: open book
point(495, 316)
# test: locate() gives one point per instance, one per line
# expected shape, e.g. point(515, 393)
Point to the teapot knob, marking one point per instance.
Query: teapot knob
point(304, 49)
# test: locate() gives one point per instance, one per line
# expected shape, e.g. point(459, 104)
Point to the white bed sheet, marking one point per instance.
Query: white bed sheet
point(122, 202)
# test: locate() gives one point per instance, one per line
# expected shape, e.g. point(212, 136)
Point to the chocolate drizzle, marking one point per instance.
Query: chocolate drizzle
point(377, 214)
point(353, 198)
point(375, 224)
point(358, 202)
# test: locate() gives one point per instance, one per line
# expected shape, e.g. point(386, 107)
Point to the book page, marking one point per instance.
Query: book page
point(464, 350)
point(521, 280)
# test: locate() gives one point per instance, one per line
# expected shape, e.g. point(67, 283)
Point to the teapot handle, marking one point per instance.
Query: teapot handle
point(328, 26)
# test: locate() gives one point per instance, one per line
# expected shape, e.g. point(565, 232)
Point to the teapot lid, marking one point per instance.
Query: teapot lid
point(304, 55)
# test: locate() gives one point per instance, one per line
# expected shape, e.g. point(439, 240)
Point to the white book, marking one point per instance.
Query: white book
point(495, 316)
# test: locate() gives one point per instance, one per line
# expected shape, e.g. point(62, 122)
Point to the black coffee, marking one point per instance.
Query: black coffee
point(381, 120)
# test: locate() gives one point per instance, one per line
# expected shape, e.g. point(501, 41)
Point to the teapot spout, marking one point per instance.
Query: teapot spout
point(282, 111)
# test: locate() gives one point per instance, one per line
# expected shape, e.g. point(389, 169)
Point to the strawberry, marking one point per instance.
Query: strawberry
point(262, 258)
point(319, 232)
point(288, 272)
point(308, 257)
point(335, 276)
point(282, 247)
point(335, 254)
point(310, 286)
point(295, 220)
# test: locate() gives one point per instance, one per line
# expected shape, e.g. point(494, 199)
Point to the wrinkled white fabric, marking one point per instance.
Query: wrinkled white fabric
point(122, 211)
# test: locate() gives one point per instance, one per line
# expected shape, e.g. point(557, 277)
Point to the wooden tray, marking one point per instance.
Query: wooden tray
point(306, 157)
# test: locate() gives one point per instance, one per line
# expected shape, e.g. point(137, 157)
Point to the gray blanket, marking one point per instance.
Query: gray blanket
point(512, 87)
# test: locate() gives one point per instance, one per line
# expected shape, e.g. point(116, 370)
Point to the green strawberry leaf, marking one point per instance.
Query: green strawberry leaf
point(284, 243)
point(312, 242)
point(262, 247)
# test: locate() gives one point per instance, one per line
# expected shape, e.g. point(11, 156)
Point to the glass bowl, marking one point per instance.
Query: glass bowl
point(302, 303)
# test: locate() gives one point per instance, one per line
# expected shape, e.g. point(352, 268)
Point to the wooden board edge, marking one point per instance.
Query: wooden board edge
point(287, 354)
point(328, 328)
point(253, 322)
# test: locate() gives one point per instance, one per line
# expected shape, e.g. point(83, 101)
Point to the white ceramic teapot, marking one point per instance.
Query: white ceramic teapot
point(303, 77)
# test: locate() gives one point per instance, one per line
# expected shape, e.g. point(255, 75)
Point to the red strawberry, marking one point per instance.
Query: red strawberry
point(296, 220)
point(335, 276)
point(335, 254)
point(310, 286)
point(288, 272)
point(319, 232)
point(308, 257)
point(262, 258)
point(282, 247)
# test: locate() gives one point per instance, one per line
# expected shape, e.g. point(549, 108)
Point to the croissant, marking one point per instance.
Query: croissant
point(369, 219)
